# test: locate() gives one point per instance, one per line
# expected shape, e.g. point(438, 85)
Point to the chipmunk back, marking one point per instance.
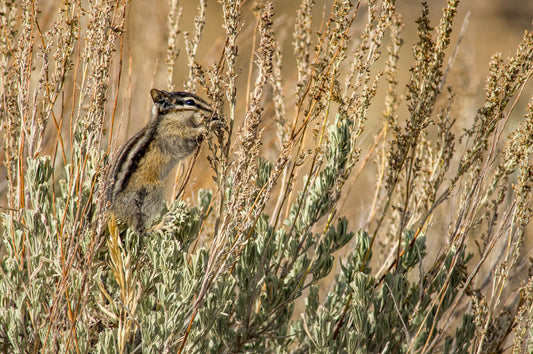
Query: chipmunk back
point(134, 187)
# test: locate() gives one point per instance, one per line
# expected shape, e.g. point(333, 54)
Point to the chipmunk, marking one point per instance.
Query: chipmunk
point(134, 188)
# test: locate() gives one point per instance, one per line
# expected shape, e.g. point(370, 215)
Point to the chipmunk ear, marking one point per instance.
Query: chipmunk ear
point(161, 101)
point(159, 96)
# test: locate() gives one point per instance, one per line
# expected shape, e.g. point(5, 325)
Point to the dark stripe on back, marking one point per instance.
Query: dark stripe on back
point(125, 166)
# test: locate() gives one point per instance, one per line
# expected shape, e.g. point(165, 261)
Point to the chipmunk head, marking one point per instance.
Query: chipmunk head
point(183, 107)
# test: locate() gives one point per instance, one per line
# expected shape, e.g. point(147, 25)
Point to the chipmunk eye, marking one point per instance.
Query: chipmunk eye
point(190, 103)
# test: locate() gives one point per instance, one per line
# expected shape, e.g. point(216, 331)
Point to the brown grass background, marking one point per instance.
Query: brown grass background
point(490, 26)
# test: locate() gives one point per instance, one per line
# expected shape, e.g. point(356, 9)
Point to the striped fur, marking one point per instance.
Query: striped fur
point(178, 124)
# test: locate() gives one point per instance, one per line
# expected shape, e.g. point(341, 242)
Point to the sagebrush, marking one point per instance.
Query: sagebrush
point(262, 256)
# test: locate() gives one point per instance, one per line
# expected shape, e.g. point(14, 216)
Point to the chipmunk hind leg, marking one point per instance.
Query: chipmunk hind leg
point(139, 207)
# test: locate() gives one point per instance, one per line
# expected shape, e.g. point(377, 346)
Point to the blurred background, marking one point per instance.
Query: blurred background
point(485, 27)
point(489, 27)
